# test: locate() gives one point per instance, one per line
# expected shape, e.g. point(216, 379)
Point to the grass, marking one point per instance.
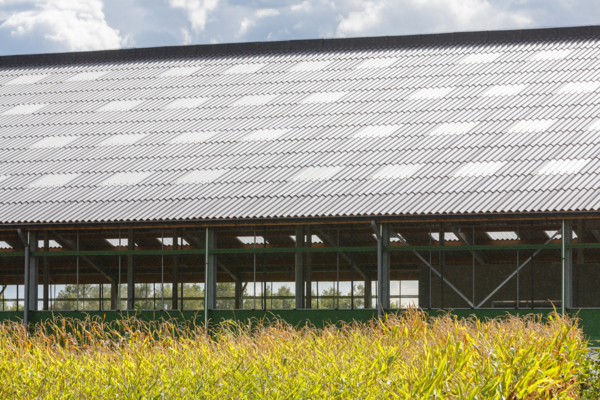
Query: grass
point(408, 356)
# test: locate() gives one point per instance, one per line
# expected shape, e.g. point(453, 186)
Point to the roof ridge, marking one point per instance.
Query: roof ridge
point(452, 38)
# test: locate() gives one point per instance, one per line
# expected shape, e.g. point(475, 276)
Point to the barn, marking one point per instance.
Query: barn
point(320, 180)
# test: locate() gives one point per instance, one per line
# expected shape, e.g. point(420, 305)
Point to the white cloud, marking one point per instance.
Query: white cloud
point(197, 11)
point(248, 23)
point(377, 17)
point(73, 25)
point(187, 38)
point(266, 12)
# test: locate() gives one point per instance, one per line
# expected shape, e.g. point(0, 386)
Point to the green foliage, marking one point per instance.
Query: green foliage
point(409, 356)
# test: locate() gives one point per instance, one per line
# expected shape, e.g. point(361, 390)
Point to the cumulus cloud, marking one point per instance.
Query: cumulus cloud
point(379, 17)
point(197, 11)
point(68, 25)
point(249, 22)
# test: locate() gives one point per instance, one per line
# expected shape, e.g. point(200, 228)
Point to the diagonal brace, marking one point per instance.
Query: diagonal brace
point(72, 245)
point(348, 257)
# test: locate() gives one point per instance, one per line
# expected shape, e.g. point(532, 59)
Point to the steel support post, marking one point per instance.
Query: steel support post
point(442, 241)
point(175, 274)
point(567, 266)
point(377, 232)
point(25, 241)
point(385, 267)
point(299, 268)
point(46, 275)
point(238, 289)
point(368, 292)
point(211, 266)
point(308, 270)
point(114, 289)
point(130, 270)
point(33, 272)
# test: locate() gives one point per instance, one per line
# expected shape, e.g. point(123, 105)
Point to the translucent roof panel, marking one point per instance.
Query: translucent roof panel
point(550, 55)
point(479, 58)
point(52, 244)
point(313, 239)
point(448, 236)
point(485, 168)
point(53, 180)
point(116, 242)
point(532, 125)
point(377, 63)
point(399, 171)
point(255, 100)
point(122, 140)
point(264, 134)
point(393, 238)
point(316, 174)
point(201, 176)
point(187, 103)
point(193, 137)
point(310, 66)
point(87, 76)
point(503, 235)
point(431, 93)
point(579, 87)
point(558, 234)
point(168, 241)
point(53, 142)
point(453, 128)
point(561, 167)
point(504, 90)
point(251, 239)
point(324, 97)
point(179, 71)
point(244, 68)
point(3, 177)
point(120, 105)
point(26, 79)
point(374, 131)
point(125, 179)
point(24, 109)
point(4, 245)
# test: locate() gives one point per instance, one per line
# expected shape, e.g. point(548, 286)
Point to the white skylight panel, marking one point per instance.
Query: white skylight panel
point(376, 63)
point(375, 131)
point(264, 135)
point(579, 87)
point(316, 174)
point(504, 90)
point(480, 58)
point(179, 71)
point(4, 245)
point(431, 93)
point(201, 176)
point(310, 66)
point(244, 69)
point(550, 55)
point(250, 239)
point(122, 140)
point(255, 100)
point(532, 125)
point(53, 142)
point(52, 244)
point(116, 242)
point(502, 235)
point(399, 171)
point(313, 239)
point(479, 169)
point(168, 241)
point(26, 79)
point(448, 236)
point(453, 128)
point(192, 137)
point(562, 167)
point(558, 234)
point(325, 97)
point(120, 105)
point(393, 238)
point(125, 178)
point(186, 103)
point(87, 76)
point(24, 109)
point(3, 177)
point(53, 180)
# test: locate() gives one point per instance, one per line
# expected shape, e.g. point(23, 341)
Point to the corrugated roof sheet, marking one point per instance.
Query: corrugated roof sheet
point(382, 129)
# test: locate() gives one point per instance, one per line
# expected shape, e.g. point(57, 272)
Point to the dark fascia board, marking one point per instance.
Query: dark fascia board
point(311, 45)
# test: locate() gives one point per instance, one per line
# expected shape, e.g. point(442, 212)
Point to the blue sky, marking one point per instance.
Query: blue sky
point(42, 26)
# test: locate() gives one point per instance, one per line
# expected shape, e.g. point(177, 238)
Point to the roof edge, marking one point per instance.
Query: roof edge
point(189, 51)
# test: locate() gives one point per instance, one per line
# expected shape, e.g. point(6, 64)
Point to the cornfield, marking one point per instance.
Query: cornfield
point(408, 356)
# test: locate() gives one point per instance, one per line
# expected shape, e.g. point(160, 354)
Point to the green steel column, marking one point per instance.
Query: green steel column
point(567, 266)
point(130, 270)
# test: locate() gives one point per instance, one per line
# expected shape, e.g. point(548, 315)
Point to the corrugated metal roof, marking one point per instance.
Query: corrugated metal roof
point(386, 127)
